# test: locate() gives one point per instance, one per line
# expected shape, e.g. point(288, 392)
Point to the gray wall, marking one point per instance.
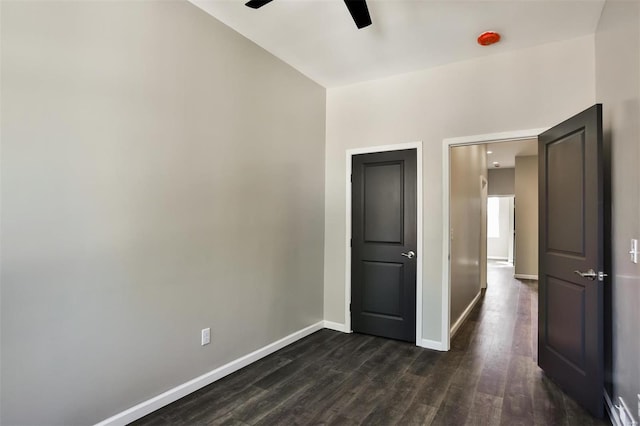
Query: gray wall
point(526, 188)
point(160, 174)
point(502, 181)
point(485, 95)
point(618, 88)
point(468, 163)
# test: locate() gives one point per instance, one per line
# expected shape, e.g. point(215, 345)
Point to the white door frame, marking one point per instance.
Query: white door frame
point(484, 195)
point(447, 144)
point(511, 257)
point(419, 245)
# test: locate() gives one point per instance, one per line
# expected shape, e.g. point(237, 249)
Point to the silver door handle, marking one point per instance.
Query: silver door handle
point(409, 255)
point(590, 274)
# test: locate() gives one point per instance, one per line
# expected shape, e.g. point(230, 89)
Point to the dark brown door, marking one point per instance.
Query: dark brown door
point(570, 333)
point(383, 267)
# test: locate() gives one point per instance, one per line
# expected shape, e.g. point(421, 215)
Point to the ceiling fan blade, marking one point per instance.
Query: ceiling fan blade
point(255, 4)
point(359, 11)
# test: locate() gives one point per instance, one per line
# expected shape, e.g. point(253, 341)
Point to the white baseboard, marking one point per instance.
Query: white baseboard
point(432, 344)
point(525, 277)
point(497, 258)
point(424, 343)
point(336, 326)
point(620, 415)
point(465, 314)
point(153, 404)
point(611, 411)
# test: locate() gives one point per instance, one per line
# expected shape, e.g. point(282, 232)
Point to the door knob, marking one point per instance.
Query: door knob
point(590, 274)
point(409, 254)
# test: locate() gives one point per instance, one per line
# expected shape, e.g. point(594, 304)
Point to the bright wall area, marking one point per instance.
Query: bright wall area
point(160, 174)
point(618, 88)
point(510, 91)
point(526, 226)
point(500, 227)
point(468, 164)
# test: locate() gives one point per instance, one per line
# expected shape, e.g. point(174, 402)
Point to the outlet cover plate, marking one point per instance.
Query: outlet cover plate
point(205, 336)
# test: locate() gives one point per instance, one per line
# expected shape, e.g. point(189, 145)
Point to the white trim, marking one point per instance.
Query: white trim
point(432, 344)
point(611, 411)
point(525, 277)
point(384, 148)
point(446, 145)
point(484, 242)
point(615, 411)
point(497, 258)
point(419, 239)
point(336, 326)
point(496, 137)
point(465, 314)
point(512, 231)
point(157, 402)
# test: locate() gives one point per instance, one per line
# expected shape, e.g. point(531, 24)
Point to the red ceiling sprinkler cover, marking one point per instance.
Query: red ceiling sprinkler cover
point(488, 37)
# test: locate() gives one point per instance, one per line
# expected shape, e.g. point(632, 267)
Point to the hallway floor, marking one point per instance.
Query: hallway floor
point(489, 377)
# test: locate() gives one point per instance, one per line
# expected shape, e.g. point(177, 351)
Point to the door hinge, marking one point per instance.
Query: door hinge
point(351, 178)
point(349, 307)
point(350, 242)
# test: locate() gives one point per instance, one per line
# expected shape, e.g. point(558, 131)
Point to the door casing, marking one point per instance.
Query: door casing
point(419, 243)
point(447, 144)
point(484, 195)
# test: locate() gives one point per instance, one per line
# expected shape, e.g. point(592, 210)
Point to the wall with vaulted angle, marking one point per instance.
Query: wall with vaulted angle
point(160, 174)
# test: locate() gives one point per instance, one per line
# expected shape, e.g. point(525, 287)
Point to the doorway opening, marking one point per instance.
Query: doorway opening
point(492, 158)
point(571, 238)
point(485, 231)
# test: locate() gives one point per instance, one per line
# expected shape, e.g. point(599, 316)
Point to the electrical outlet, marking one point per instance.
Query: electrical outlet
point(634, 251)
point(205, 336)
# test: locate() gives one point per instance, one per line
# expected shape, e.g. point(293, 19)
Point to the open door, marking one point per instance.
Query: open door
point(571, 278)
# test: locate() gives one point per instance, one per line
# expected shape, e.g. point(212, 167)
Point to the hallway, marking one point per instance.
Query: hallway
point(489, 377)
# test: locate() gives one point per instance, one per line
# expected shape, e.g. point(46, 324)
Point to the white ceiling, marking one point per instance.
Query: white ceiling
point(505, 153)
point(319, 38)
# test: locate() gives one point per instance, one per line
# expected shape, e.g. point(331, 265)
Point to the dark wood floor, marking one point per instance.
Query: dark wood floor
point(489, 377)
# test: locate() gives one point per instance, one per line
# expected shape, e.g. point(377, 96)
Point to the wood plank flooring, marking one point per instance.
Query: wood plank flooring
point(489, 377)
